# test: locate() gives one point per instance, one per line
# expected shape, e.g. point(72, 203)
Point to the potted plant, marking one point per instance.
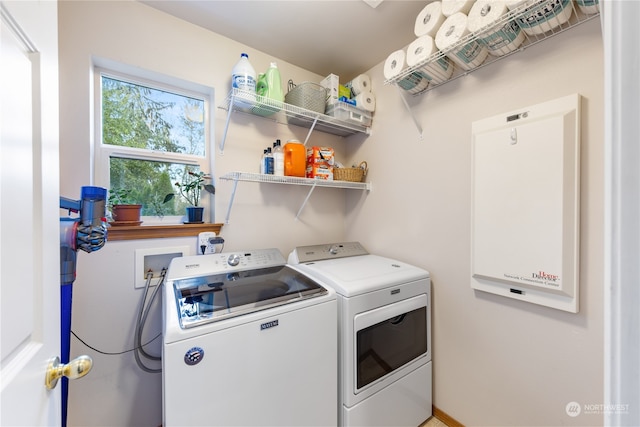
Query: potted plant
point(191, 190)
point(124, 209)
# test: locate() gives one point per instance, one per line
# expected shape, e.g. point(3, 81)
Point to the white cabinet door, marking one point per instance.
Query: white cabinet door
point(29, 214)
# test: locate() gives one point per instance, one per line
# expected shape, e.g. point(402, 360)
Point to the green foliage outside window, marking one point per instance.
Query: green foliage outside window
point(150, 119)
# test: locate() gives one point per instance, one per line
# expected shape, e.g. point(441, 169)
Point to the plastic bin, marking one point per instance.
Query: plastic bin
point(350, 114)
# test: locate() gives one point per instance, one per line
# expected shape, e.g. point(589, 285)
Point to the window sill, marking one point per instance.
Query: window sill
point(158, 231)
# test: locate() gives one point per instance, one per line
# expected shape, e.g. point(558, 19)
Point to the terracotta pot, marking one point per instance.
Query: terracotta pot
point(126, 213)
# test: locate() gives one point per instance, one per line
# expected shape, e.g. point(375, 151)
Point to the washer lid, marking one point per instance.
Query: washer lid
point(360, 274)
point(206, 299)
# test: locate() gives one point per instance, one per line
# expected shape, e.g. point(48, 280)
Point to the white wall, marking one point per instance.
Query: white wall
point(496, 361)
point(105, 301)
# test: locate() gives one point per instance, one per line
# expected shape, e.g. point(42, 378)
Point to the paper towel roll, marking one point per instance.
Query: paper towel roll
point(393, 67)
point(429, 20)
point(451, 7)
point(438, 69)
point(366, 101)
point(499, 40)
point(588, 7)
point(467, 56)
point(415, 83)
point(540, 16)
point(360, 84)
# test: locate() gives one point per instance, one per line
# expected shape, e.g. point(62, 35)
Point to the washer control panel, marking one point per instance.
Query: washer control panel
point(202, 265)
point(303, 254)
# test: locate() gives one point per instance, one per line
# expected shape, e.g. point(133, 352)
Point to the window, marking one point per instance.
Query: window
point(150, 135)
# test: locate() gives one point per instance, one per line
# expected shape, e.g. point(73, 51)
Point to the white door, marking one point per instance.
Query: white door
point(29, 213)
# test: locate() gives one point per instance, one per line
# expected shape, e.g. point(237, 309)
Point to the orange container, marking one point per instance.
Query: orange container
point(295, 158)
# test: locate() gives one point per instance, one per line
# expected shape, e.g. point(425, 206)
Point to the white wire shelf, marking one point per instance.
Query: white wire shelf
point(292, 180)
point(288, 180)
point(554, 26)
point(284, 113)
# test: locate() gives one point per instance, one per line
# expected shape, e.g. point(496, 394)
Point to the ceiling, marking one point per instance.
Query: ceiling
point(343, 37)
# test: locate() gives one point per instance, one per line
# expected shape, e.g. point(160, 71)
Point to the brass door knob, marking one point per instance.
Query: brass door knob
point(77, 368)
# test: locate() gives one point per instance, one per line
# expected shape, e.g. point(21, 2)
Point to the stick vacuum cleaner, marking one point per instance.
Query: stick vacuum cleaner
point(88, 233)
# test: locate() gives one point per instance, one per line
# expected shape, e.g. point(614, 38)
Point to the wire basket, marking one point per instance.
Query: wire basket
point(351, 174)
point(307, 95)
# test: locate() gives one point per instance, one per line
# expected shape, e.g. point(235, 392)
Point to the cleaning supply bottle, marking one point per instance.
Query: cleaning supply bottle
point(263, 162)
point(274, 83)
point(295, 158)
point(278, 158)
point(268, 168)
point(243, 78)
point(261, 84)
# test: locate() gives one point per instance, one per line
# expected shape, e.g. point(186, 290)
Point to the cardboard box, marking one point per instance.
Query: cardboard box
point(320, 155)
point(332, 84)
point(320, 161)
point(320, 171)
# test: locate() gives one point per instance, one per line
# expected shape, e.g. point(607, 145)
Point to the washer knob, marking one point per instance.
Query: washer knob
point(333, 249)
point(233, 260)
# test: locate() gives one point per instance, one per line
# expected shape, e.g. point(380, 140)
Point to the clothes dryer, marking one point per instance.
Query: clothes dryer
point(384, 333)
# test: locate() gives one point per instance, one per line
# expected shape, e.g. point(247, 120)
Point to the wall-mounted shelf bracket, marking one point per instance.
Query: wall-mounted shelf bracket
point(226, 124)
point(315, 121)
point(406, 104)
point(233, 196)
point(313, 187)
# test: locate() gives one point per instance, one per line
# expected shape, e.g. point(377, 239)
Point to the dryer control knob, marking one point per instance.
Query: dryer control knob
point(233, 260)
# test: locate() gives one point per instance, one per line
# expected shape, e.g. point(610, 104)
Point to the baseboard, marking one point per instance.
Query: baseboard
point(446, 418)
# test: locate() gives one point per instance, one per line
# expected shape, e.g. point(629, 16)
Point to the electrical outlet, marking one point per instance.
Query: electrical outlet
point(205, 243)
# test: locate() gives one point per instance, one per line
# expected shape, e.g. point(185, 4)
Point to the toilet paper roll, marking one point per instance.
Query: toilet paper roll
point(467, 56)
point(360, 84)
point(438, 69)
point(540, 16)
point(451, 7)
point(429, 20)
point(366, 101)
point(393, 67)
point(499, 40)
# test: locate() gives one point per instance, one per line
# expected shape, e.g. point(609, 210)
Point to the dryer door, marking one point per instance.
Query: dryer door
point(389, 338)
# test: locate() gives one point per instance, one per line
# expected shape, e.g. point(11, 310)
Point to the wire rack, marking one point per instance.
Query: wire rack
point(282, 112)
point(517, 16)
point(236, 177)
point(311, 182)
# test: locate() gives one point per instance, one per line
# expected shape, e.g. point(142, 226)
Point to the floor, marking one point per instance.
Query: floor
point(433, 422)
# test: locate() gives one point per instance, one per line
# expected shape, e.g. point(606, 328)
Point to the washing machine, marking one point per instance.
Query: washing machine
point(384, 333)
point(248, 341)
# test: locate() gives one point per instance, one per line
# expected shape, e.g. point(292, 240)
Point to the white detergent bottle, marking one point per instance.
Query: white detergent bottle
point(243, 78)
point(278, 158)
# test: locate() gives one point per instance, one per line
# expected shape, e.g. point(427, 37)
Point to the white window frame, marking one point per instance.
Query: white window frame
point(103, 152)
